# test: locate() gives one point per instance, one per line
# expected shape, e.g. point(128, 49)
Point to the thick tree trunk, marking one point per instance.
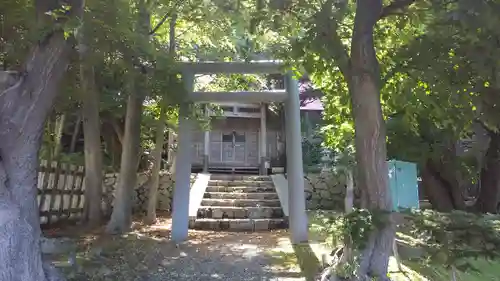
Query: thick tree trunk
point(20, 253)
point(449, 171)
point(442, 186)
point(370, 137)
point(155, 177)
point(488, 200)
point(92, 142)
point(121, 218)
point(24, 107)
point(439, 194)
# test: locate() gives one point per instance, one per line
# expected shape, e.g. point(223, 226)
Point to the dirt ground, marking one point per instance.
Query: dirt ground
point(146, 253)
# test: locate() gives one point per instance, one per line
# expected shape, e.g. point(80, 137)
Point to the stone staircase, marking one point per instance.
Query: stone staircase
point(240, 203)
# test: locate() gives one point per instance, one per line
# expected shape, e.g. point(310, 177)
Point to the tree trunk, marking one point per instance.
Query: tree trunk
point(92, 139)
point(113, 146)
point(172, 151)
point(47, 149)
point(449, 171)
point(112, 139)
point(349, 194)
point(24, 107)
point(160, 138)
point(117, 128)
point(283, 140)
point(20, 252)
point(121, 218)
point(489, 193)
point(155, 177)
point(143, 159)
point(59, 130)
point(76, 133)
point(370, 137)
point(442, 187)
point(438, 193)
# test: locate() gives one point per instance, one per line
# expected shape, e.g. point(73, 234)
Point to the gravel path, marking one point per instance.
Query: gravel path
point(227, 256)
point(147, 254)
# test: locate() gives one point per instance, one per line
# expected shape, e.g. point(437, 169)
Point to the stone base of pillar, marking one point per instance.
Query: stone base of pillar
point(263, 166)
point(205, 163)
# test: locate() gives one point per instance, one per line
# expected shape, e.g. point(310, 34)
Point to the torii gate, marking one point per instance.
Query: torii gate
point(289, 96)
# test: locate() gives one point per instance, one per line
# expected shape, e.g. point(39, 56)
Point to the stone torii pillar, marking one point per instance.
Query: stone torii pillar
point(180, 204)
point(263, 140)
point(295, 173)
point(206, 142)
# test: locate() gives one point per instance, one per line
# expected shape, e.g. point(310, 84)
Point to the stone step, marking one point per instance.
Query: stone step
point(239, 177)
point(239, 224)
point(213, 212)
point(240, 189)
point(239, 183)
point(241, 195)
point(240, 202)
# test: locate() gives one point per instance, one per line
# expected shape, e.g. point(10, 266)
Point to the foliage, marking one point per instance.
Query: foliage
point(353, 231)
point(414, 267)
point(312, 149)
point(425, 98)
point(16, 35)
point(355, 226)
point(457, 239)
point(446, 85)
point(454, 239)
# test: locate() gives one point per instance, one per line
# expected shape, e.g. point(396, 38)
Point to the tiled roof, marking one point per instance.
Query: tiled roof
point(310, 98)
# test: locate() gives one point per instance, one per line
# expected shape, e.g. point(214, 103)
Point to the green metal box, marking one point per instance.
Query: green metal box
point(403, 185)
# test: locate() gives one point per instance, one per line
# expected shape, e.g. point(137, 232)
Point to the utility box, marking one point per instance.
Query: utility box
point(403, 185)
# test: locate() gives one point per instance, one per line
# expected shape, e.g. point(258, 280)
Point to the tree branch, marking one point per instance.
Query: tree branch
point(165, 17)
point(172, 43)
point(340, 53)
point(485, 127)
point(395, 7)
point(162, 21)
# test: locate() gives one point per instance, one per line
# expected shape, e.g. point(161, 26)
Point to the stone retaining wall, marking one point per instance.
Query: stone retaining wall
point(323, 191)
point(140, 195)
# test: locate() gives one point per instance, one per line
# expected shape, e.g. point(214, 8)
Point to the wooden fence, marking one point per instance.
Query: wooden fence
point(61, 190)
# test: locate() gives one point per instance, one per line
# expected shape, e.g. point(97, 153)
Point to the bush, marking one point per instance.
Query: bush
point(453, 239)
point(456, 238)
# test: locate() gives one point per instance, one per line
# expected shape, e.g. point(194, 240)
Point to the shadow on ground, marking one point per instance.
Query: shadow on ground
point(148, 254)
point(302, 257)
